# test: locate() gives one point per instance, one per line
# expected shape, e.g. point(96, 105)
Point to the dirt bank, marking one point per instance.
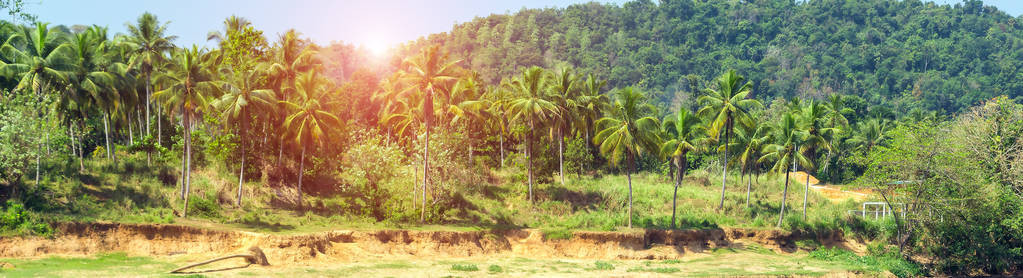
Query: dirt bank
point(352, 246)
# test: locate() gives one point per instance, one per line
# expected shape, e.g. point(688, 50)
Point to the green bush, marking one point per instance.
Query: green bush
point(495, 269)
point(15, 219)
point(204, 206)
point(603, 265)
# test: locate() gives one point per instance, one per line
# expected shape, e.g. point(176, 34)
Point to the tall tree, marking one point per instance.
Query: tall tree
point(149, 46)
point(812, 118)
point(42, 63)
point(725, 105)
point(243, 94)
point(309, 119)
point(189, 82)
point(684, 130)
point(565, 96)
point(426, 72)
point(784, 151)
point(627, 132)
point(531, 106)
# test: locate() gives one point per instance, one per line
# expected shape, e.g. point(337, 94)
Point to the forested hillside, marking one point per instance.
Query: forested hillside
point(901, 54)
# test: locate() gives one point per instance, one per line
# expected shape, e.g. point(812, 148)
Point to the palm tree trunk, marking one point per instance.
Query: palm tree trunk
point(159, 126)
point(81, 154)
point(148, 104)
point(561, 155)
point(784, 194)
point(749, 185)
point(502, 149)
point(415, 185)
point(301, 172)
point(529, 156)
point(674, 197)
point(70, 134)
point(426, 173)
point(131, 135)
point(806, 192)
point(106, 133)
point(241, 170)
point(724, 171)
point(188, 160)
point(628, 176)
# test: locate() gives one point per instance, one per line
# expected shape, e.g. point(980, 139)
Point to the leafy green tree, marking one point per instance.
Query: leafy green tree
point(43, 63)
point(309, 119)
point(627, 132)
point(724, 106)
point(532, 108)
point(684, 130)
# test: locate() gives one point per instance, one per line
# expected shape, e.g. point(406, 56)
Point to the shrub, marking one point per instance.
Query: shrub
point(205, 207)
point(603, 265)
point(14, 218)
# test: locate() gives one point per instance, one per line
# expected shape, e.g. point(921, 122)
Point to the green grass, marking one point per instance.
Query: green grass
point(599, 265)
point(494, 269)
point(464, 267)
point(112, 264)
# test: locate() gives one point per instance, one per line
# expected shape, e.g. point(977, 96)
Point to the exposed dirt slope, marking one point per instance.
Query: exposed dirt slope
point(831, 192)
point(349, 246)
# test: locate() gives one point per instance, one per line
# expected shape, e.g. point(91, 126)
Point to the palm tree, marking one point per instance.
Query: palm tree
point(837, 122)
point(812, 115)
point(785, 151)
point(149, 45)
point(468, 107)
point(92, 85)
point(753, 139)
point(531, 107)
point(627, 132)
point(869, 133)
point(724, 106)
point(684, 130)
point(292, 57)
point(565, 93)
point(425, 73)
point(43, 63)
point(242, 94)
point(309, 119)
point(188, 83)
point(499, 99)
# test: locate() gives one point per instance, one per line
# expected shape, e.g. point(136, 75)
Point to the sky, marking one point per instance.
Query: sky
point(375, 24)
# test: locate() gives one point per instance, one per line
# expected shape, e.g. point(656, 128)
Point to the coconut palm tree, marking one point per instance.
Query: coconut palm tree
point(424, 73)
point(564, 95)
point(812, 118)
point(684, 130)
point(149, 46)
point(837, 122)
point(627, 132)
point(292, 56)
point(869, 134)
point(189, 82)
point(91, 84)
point(753, 137)
point(499, 98)
point(785, 151)
point(309, 119)
point(531, 107)
point(725, 105)
point(468, 107)
point(43, 63)
point(243, 94)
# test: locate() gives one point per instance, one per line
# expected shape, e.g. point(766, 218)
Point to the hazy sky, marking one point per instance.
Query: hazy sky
point(374, 23)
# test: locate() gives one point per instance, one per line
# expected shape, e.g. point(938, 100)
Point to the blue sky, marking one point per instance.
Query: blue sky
point(377, 23)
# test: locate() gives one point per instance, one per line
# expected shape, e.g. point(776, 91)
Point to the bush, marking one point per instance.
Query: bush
point(205, 207)
point(464, 267)
point(15, 219)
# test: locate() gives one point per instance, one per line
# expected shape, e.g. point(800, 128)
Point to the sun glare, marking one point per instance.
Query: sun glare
point(376, 47)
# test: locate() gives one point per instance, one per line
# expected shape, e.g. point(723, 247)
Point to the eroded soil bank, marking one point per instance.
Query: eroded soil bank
point(155, 240)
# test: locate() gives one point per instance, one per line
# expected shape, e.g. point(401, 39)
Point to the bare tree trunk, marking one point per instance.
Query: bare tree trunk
point(188, 160)
point(71, 134)
point(131, 135)
point(106, 133)
point(784, 194)
point(806, 192)
point(241, 170)
point(674, 198)
point(148, 104)
point(301, 172)
point(561, 155)
point(529, 154)
point(426, 174)
point(628, 176)
point(81, 154)
point(502, 149)
point(749, 185)
point(724, 171)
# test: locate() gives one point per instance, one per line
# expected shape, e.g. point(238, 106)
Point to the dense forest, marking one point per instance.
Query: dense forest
point(916, 101)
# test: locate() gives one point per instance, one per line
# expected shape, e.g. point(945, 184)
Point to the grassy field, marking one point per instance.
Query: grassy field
point(747, 260)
